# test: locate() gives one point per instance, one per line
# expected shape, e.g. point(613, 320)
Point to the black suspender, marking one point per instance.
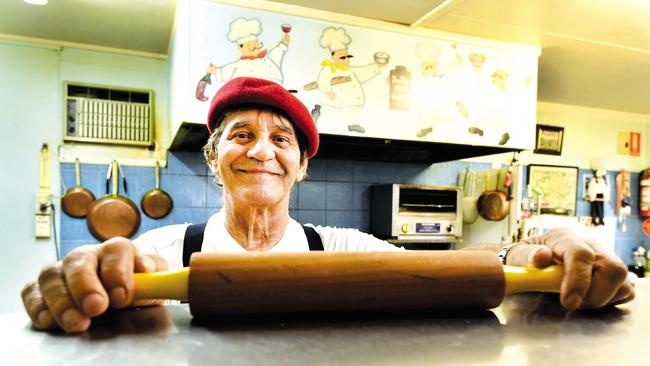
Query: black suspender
point(193, 240)
point(313, 239)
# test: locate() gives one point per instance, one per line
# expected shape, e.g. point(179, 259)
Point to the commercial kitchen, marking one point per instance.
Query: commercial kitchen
point(443, 125)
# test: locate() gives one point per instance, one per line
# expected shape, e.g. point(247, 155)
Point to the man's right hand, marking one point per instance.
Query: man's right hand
point(69, 293)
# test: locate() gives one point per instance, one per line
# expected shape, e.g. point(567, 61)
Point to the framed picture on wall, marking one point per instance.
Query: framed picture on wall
point(555, 188)
point(548, 140)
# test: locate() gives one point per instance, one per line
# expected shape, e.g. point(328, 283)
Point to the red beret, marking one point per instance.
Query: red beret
point(246, 90)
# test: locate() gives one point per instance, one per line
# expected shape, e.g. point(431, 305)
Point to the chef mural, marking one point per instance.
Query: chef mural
point(435, 95)
point(254, 60)
point(339, 85)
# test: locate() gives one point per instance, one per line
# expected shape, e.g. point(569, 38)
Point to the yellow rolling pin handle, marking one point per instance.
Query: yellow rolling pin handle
point(532, 279)
point(171, 285)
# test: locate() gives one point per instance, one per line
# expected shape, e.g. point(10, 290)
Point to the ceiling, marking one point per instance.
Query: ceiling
point(595, 53)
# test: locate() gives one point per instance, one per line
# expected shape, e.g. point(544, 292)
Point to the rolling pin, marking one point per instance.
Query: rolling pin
point(260, 282)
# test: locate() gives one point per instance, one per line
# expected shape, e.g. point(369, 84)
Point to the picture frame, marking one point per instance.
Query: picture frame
point(548, 140)
point(557, 186)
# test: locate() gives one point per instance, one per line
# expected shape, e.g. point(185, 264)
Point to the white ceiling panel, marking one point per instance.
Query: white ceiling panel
point(139, 25)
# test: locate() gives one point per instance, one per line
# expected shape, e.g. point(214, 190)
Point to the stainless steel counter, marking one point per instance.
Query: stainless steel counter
point(529, 329)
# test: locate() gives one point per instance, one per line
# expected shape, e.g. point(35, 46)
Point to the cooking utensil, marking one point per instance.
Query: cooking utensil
point(113, 215)
point(470, 211)
point(76, 200)
point(156, 203)
point(493, 205)
point(263, 282)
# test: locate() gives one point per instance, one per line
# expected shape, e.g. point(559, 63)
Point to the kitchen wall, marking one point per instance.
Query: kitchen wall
point(31, 99)
point(335, 193)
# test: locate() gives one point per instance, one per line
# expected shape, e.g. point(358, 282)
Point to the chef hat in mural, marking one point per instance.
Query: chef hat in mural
point(335, 39)
point(244, 30)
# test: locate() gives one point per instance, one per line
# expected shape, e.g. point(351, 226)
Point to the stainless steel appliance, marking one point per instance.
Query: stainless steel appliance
point(408, 213)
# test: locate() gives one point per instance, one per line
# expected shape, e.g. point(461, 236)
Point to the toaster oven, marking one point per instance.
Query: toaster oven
point(416, 213)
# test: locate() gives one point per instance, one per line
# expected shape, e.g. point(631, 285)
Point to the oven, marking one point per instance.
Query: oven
point(409, 213)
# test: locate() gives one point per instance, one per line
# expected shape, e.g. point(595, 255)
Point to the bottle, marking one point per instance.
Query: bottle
point(640, 259)
point(527, 201)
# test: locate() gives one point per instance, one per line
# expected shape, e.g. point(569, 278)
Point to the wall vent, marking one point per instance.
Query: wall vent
point(108, 115)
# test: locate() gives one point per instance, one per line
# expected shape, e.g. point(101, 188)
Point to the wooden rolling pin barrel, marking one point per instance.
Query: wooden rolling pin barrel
point(257, 283)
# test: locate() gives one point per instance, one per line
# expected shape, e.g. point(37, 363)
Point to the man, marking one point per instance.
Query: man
point(262, 138)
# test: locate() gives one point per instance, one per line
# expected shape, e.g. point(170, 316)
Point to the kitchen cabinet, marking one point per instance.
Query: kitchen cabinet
point(361, 79)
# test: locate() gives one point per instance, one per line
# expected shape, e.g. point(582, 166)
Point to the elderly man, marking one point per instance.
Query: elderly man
point(262, 138)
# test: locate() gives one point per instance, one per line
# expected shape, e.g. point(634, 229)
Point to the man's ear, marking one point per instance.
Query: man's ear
point(302, 171)
point(214, 166)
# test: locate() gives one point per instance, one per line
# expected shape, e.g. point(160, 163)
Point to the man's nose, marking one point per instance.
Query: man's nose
point(262, 150)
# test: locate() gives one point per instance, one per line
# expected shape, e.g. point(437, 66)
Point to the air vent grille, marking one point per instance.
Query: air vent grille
point(108, 115)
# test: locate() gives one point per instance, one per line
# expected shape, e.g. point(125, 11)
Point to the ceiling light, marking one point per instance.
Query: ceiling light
point(36, 2)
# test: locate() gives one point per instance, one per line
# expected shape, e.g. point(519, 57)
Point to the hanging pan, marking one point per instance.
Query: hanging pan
point(156, 203)
point(76, 200)
point(493, 205)
point(113, 215)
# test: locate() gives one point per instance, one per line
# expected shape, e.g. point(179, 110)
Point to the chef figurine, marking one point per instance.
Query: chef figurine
point(598, 191)
point(340, 94)
point(253, 61)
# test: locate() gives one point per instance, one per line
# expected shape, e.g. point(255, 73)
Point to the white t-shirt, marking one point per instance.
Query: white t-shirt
point(167, 241)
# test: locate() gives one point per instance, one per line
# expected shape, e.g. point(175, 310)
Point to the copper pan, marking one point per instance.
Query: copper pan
point(156, 203)
point(493, 205)
point(113, 215)
point(76, 200)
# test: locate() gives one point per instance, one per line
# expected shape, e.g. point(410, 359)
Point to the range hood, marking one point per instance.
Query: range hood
point(192, 136)
point(408, 97)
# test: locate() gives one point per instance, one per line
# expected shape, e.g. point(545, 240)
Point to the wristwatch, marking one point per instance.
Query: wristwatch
point(503, 253)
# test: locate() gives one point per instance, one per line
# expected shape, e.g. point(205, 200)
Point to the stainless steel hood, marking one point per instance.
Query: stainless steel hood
point(192, 137)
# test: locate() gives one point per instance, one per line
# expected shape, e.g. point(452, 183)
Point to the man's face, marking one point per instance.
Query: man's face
point(341, 58)
point(258, 159)
point(250, 48)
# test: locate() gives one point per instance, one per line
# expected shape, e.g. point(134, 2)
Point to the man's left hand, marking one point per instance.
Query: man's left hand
point(593, 277)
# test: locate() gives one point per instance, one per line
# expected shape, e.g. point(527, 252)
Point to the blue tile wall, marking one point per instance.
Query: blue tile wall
point(195, 194)
point(336, 193)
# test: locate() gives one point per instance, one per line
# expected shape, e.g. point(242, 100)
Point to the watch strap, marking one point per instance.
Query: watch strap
point(503, 253)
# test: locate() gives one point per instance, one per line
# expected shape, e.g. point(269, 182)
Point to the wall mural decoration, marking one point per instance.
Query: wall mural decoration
point(253, 60)
point(339, 84)
point(367, 82)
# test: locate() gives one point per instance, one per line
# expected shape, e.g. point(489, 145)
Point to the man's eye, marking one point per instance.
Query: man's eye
point(282, 139)
point(240, 135)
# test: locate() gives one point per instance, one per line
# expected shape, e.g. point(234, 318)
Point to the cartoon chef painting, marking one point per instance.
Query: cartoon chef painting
point(435, 95)
point(339, 85)
point(253, 61)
